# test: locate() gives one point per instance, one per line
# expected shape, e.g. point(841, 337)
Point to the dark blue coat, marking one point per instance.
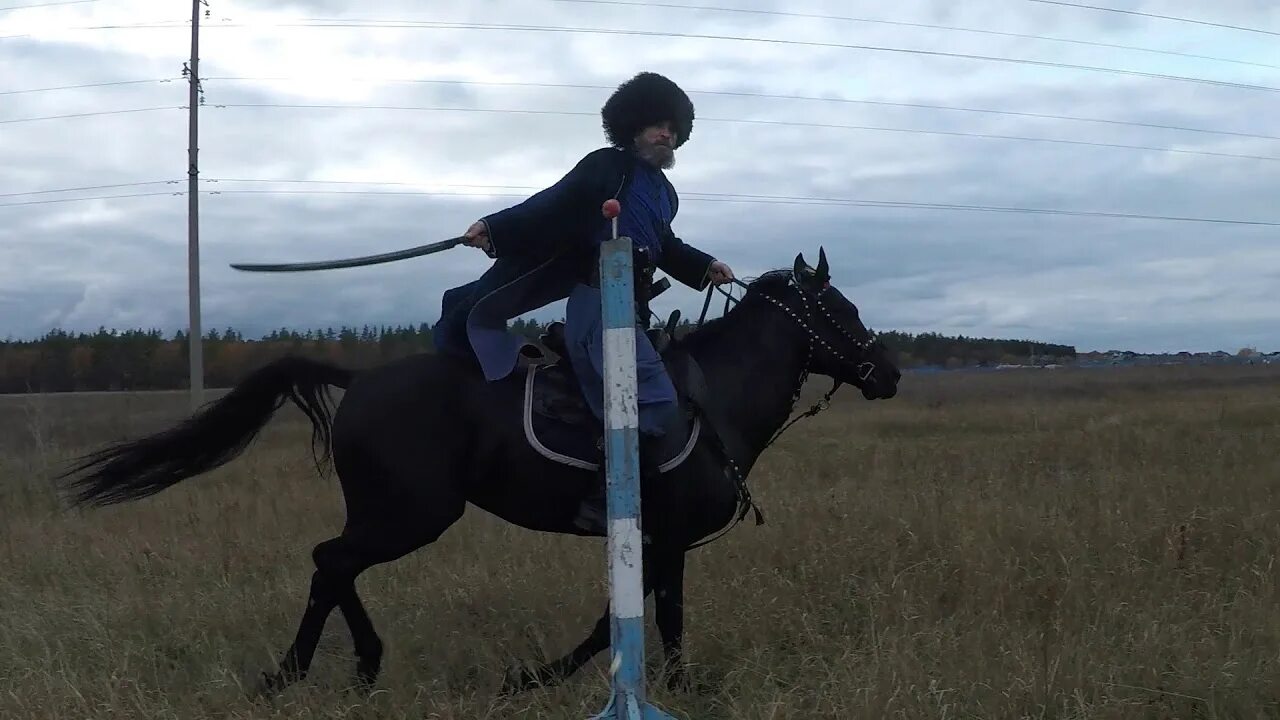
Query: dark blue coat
point(543, 247)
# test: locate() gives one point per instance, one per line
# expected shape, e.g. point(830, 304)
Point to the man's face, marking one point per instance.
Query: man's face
point(656, 144)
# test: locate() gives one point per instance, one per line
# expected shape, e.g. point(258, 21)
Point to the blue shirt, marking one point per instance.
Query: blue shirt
point(646, 210)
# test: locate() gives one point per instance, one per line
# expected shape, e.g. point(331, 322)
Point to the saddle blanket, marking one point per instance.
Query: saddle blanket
point(560, 426)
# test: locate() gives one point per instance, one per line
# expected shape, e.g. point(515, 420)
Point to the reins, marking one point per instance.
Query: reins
point(745, 501)
point(817, 407)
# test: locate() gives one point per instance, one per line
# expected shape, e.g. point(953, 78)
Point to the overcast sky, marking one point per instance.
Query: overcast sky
point(1097, 283)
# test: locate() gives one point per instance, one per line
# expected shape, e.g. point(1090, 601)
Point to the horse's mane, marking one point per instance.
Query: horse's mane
point(712, 329)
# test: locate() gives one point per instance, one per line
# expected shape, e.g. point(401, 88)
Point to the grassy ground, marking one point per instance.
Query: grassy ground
point(1054, 544)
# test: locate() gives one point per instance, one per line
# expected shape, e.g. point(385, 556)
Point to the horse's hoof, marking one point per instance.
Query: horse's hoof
point(270, 684)
point(362, 689)
point(517, 680)
point(267, 685)
point(678, 680)
point(366, 680)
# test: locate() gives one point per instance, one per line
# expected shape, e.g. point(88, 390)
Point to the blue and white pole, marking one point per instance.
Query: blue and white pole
point(622, 468)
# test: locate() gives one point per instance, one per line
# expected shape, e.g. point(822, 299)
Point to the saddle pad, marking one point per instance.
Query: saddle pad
point(560, 426)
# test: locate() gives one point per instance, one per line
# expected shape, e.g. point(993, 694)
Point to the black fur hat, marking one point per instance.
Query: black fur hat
point(646, 99)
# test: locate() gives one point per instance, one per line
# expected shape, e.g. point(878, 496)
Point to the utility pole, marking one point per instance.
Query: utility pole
point(194, 344)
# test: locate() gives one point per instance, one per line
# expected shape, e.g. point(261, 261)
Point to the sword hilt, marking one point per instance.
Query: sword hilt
point(612, 209)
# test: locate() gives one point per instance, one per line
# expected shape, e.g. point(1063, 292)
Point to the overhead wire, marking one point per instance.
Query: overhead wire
point(1047, 116)
point(88, 85)
point(693, 197)
point(1157, 16)
point(96, 197)
point(436, 25)
point(304, 22)
point(723, 197)
point(389, 183)
point(773, 96)
point(783, 41)
point(903, 23)
point(785, 123)
point(92, 113)
point(90, 187)
point(148, 25)
point(46, 4)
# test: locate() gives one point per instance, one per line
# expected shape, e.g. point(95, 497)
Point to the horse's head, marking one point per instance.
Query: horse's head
point(840, 346)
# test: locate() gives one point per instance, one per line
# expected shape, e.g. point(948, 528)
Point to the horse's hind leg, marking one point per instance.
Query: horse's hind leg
point(368, 645)
point(395, 532)
point(327, 587)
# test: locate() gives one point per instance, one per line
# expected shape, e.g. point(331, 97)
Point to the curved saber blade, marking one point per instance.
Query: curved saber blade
point(351, 262)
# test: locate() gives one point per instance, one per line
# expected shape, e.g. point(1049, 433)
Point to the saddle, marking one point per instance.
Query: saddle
point(561, 427)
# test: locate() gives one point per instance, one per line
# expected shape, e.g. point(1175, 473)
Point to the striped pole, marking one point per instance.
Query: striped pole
point(622, 468)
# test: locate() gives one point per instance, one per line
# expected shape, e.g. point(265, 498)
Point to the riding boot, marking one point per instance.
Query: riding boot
point(593, 511)
point(650, 460)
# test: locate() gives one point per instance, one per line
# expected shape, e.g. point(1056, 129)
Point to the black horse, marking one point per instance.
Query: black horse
point(413, 441)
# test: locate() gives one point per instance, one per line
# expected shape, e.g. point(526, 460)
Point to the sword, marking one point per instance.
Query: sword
point(412, 252)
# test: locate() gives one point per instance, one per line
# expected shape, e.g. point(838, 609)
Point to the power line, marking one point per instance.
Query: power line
point(369, 182)
point(375, 23)
point(47, 4)
point(813, 98)
point(419, 193)
point(89, 187)
point(432, 25)
point(927, 106)
point(575, 113)
point(718, 197)
point(930, 26)
point(1154, 15)
point(90, 114)
point(149, 25)
point(992, 208)
point(995, 136)
point(782, 199)
point(96, 197)
point(155, 25)
point(710, 197)
point(87, 85)
point(786, 123)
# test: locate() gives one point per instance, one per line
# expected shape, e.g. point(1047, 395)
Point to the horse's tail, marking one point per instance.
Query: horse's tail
point(213, 436)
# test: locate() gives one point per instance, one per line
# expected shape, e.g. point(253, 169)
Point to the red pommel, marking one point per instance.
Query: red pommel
point(612, 208)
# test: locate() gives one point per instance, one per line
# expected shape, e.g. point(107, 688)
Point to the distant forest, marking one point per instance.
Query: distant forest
point(149, 360)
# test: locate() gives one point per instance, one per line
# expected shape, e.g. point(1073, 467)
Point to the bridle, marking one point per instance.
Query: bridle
point(813, 307)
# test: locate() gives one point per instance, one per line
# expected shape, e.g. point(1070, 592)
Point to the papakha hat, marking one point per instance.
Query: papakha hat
point(644, 100)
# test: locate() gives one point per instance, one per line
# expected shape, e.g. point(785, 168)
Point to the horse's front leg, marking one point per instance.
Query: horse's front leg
point(669, 613)
point(655, 566)
point(545, 674)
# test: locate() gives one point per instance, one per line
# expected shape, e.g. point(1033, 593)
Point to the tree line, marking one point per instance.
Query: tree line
point(150, 360)
point(932, 349)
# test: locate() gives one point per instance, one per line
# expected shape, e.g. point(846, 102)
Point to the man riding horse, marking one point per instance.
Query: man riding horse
point(547, 249)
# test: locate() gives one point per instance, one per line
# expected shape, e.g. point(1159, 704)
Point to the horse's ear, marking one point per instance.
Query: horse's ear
point(824, 270)
point(798, 270)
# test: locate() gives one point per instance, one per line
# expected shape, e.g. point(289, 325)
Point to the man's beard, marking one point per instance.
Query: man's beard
point(660, 156)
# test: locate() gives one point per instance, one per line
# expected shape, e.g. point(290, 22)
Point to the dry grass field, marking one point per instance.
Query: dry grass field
point(1040, 544)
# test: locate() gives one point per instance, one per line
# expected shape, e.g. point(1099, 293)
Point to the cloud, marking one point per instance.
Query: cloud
point(1094, 282)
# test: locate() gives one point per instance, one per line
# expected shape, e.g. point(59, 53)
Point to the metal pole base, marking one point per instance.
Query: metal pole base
point(632, 711)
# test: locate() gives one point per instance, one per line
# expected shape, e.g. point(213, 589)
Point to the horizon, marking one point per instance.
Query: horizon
point(257, 335)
